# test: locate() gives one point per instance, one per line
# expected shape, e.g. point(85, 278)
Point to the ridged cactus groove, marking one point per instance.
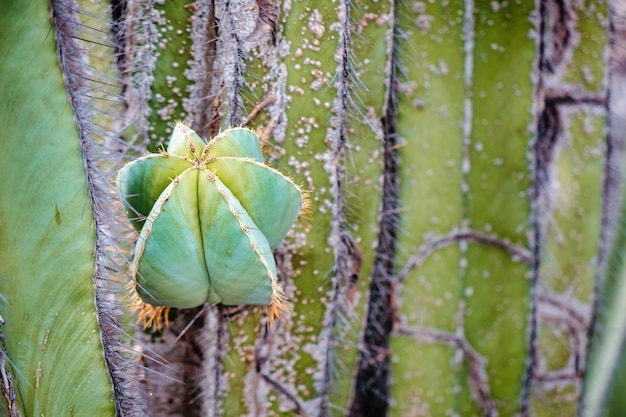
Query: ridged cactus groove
point(209, 215)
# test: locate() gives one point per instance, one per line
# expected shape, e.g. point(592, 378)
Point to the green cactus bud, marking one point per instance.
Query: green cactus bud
point(213, 213)
point(274, 212)
point(237, 142)
point(169, 257)
point(142, 181)
point(185, 142)
point(237, 253)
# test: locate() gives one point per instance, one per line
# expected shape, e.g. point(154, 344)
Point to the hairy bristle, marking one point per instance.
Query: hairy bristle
point(151, 317)
point(305, 212)
point(279, 306)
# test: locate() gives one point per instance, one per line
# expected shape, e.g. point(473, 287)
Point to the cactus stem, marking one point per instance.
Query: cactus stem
point(371, 394)
point(81, 86)
point(233, 61)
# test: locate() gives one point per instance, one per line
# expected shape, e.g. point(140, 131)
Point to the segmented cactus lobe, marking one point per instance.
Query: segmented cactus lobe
point(209, 215)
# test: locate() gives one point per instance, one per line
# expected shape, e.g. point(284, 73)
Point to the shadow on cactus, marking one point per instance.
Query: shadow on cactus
point(209, 216)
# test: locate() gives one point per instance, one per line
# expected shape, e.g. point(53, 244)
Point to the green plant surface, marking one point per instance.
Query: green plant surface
point(603, 383)
point(246, 61)
point(47, 236)
point(569, 259)
point(615, 401)
point(573, 151)
point(335, 97)
point(433, 89)
point(492, 112)
point(605, 376)
point(322, 125)
point(587, 67)
point(571, 242)
point(369, 56)
point(169, 34)
point(460, 344)
point(307, 98)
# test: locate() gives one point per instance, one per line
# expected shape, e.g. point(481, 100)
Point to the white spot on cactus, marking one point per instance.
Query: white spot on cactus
point(316, 24)
point(424, 22)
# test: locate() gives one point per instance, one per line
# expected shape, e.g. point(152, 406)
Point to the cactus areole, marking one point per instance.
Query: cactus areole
point(209, 216)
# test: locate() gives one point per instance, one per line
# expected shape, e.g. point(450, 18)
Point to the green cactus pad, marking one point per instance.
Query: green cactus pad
point(212, 214)
point(274, 212)
point(238, 256)
point(142, 181)
point(237, 142)
point(169, 259)
point(184, 140)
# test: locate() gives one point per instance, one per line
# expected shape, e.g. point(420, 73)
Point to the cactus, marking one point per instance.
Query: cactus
point(463, 161)
point(214, 211)
point(61, 349)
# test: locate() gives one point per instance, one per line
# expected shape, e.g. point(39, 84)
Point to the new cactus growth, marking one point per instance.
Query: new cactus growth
point(209, 216)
